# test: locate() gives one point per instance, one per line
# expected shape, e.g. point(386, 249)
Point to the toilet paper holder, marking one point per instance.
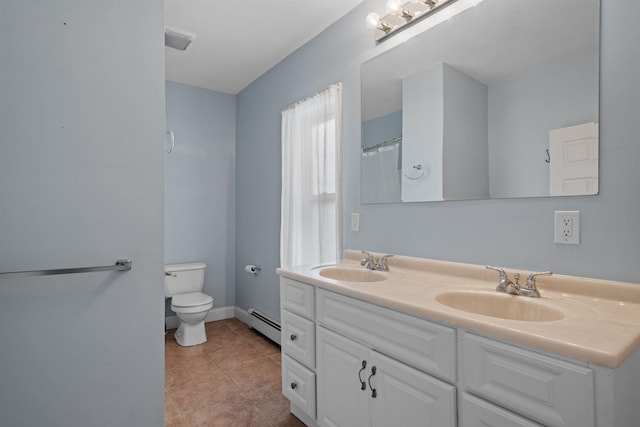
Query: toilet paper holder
point(253, 269)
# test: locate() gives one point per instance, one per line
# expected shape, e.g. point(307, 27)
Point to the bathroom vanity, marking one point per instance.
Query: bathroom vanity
point(372, 348)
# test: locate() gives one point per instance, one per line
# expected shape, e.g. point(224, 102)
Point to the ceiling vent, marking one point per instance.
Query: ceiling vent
point(177, 40)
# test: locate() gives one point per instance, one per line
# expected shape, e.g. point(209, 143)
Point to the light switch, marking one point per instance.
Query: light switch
point(355, 221)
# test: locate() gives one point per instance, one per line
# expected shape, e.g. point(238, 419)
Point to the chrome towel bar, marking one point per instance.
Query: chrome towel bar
point(120, 265)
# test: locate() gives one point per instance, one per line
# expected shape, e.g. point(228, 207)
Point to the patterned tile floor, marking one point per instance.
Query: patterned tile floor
point(231, 380)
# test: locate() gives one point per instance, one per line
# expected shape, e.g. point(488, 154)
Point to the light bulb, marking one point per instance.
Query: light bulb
point(373, 20)
point(394, 6)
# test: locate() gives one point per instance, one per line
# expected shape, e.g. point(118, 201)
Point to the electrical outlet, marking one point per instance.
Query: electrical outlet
point(567, 227)
point(355, 221)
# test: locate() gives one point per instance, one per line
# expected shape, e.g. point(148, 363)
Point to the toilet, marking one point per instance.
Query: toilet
point(183, 283)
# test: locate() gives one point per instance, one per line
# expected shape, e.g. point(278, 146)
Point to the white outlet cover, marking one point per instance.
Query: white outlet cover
point(567, 227)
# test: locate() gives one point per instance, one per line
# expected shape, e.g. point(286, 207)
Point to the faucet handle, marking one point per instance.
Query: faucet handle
point(531, 280)
point(503, 274)
point(369, 257)
point(382, 263)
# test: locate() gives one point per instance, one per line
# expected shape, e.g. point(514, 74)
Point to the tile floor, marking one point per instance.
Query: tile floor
point(231, 380)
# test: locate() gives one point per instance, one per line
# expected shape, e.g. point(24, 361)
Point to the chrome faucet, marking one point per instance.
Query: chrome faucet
point(514, 288)
point(368, 262)
point(372, 263)
point(504, 283)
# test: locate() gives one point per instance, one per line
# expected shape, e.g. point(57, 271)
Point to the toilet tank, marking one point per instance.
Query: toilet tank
point(183, 278)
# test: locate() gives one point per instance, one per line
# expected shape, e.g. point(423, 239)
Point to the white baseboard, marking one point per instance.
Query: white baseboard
point(221, 313)
point(242, 315)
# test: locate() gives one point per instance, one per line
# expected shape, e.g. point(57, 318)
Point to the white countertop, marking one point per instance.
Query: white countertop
point(601, 323)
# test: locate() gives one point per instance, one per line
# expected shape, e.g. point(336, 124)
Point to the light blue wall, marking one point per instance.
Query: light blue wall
point(200, 186)
point(381, 129)
point(528, 106)
point(515, 233)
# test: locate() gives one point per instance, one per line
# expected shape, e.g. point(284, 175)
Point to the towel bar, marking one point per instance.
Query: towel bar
point(120, 265)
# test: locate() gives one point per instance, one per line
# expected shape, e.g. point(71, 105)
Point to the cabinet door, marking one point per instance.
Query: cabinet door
point(407, 397)
point(341, 400)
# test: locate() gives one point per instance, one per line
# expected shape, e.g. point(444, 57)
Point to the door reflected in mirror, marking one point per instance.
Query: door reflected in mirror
point(499, 101)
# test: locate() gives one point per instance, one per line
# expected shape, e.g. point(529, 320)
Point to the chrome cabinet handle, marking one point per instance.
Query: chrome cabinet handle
point(374, 393)
point(294, 386)
point(363, 385)
point(293, 337)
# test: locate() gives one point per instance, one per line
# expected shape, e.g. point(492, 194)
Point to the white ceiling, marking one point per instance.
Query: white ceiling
point(236, 41)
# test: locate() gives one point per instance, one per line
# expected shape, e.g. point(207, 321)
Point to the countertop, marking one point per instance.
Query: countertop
point(601, 324)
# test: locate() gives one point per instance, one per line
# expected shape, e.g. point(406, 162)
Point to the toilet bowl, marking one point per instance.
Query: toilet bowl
point(191, 309)
point(183, 283)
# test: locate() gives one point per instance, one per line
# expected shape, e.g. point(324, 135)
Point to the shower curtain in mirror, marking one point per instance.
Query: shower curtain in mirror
point(311, 211)
point(381, 175)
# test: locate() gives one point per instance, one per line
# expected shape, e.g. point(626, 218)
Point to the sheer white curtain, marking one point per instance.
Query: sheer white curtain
point(311, 226)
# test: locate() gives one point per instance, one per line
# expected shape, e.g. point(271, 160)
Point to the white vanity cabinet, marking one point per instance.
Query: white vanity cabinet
point(360, 387)
point(430, 374)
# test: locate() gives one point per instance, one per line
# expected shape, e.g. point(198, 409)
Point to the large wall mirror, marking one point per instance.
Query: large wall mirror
point(499, 101)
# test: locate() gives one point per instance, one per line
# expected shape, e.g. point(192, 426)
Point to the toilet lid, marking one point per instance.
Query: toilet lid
point(192, 299)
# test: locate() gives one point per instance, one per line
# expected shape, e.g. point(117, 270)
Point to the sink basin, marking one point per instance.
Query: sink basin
point(345, 274)
point(501, 305)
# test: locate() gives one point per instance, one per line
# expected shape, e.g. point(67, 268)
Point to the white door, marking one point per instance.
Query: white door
point(342, 400)
point(81, 185)
point(574, 160)
point(407, 397)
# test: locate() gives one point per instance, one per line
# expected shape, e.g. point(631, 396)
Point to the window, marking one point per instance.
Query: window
point(310, 231)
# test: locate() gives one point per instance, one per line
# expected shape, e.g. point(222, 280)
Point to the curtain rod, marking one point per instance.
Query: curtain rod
point(318, 92)
point(382, 144)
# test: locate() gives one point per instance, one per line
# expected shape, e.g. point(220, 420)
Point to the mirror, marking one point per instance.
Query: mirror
point(499, 101)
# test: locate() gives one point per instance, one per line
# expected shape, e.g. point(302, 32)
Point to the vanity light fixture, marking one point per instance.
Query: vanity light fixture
point(401, 13)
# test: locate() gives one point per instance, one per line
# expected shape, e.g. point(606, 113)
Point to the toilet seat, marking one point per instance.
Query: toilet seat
point(191, 302)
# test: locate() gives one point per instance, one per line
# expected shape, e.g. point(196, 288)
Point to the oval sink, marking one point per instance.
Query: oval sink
point(500, 305)
point(352, 274)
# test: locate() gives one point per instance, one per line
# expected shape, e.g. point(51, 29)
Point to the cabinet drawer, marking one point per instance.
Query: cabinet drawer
point(425, 345)
point(478, 413)
point(297, 297)
point(547, 390)
point(299, 338)
point(299, 385)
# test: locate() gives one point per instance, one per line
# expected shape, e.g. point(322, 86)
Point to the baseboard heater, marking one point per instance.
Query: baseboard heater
point(262, 323)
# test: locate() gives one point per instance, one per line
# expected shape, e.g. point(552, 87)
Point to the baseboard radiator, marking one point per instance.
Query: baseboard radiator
point(262, 323)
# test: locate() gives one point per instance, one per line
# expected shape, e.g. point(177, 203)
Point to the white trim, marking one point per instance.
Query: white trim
point(242, 315)
point(221, 313)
